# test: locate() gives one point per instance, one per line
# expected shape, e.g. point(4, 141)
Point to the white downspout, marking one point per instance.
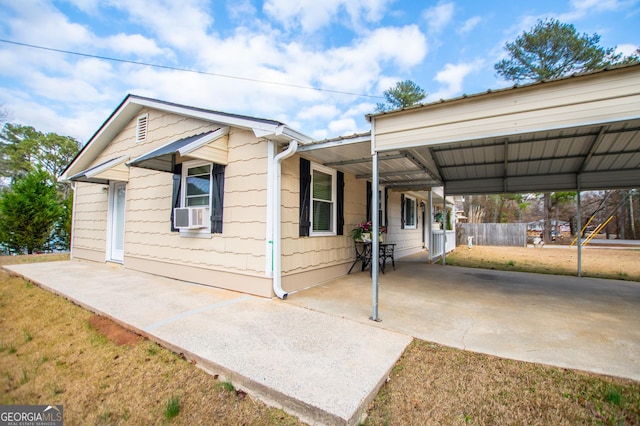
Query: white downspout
point(277, 219)
point(73, 220)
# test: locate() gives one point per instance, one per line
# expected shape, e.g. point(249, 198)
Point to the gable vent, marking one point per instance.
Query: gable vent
point(141, 129)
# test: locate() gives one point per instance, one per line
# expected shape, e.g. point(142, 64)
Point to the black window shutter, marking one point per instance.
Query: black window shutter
point(402, 211)
point(217, 198)
point(305, 197)
point(175, 196)
point(369, 195)
point(386, 207)
point(340, 195)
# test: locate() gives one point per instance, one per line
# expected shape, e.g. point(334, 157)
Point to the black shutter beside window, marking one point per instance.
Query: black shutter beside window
point(340, 200)
point(175, 196)
point(402, 217)
point(369, 195)
point(217, 198)
point(386, 207)
point(305, 197)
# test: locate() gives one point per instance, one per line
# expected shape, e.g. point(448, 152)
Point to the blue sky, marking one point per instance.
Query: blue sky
point(259, 58)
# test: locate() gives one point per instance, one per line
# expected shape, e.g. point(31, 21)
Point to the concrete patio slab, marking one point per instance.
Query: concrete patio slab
point(320, 367)
point(582, 323)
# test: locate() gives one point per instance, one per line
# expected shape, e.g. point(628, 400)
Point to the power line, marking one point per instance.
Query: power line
point(166, 67)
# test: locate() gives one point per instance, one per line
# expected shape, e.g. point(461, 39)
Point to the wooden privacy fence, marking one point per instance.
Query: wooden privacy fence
point(492, 234)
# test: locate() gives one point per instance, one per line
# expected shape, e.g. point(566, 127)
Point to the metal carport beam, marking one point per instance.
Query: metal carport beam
point(418, 163)
point(362, 160)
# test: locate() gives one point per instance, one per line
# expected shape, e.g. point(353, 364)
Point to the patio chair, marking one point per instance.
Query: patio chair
point(387, 251)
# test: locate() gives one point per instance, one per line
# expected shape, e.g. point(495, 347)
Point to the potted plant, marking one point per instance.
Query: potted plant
point(362, 232)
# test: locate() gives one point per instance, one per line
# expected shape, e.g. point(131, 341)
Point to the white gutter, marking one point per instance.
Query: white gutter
point(277, 219)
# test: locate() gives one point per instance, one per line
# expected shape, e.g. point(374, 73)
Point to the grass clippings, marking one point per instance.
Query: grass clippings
point(55, 352)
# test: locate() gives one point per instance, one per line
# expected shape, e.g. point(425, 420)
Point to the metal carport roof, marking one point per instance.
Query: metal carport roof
point(575, 133)
point(580, 132)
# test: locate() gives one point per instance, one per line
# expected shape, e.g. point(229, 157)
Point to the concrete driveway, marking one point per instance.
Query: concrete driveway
point(582, 323)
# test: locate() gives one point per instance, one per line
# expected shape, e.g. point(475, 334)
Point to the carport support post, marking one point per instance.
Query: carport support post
point(579, 229)
point(375, 254)
point(429, 212)
point(444, 227)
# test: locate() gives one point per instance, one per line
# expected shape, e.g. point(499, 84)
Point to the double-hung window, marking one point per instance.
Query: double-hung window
point(199, 187)
point(410, 206)
point(196, 194)
point(323, 200)
point(197, 184)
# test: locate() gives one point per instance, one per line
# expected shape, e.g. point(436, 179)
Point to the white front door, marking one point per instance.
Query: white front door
point(117, 195)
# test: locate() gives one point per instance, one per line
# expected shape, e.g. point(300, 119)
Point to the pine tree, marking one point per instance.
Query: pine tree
point(402, 95)
point(28, 212)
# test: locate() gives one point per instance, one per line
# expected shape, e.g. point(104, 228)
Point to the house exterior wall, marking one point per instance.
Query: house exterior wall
point(90, 222)
point(307, 261)
point(235, 259)
point(408, 241)
point(237, 255)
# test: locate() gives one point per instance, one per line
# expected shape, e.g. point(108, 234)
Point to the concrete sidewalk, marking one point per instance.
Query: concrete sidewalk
point(322, 368)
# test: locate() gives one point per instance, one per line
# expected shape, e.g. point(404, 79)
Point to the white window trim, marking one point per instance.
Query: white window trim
point(415, 212)
point(142, 132)
point(202, 232)
point(334, 201)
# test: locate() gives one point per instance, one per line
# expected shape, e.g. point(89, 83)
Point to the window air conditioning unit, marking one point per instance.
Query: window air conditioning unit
point(190, 217)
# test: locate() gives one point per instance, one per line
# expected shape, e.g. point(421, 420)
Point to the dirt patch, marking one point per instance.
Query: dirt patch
point(114, 331)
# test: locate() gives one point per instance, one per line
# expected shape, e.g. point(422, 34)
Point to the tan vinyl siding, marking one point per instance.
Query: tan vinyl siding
point(90, 218)
point(215, 152)
point(320, 252)
point(162, 129)
point(240, 249)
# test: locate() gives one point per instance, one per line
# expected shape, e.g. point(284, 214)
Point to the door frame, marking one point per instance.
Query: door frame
point(113, 255)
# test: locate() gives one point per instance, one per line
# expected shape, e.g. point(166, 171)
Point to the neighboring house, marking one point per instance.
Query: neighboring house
point(225, 200)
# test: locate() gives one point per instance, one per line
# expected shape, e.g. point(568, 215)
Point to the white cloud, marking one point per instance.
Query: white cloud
point(79, 121)
point(241, 9)
point(321, 111)
point(134, 44)
point(439, 16)
point(343, 126)
point(88, 6)
point(354, 68)
point(358, 67)
point(469, 24)
point(583, 8)
point(182, 24)
point(311, 15)
point(596, 5)
point(38, 22)
point(627, 49)
point(451, 77)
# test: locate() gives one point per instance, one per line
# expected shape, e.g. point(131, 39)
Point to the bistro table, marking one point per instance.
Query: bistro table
point(363, 254)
